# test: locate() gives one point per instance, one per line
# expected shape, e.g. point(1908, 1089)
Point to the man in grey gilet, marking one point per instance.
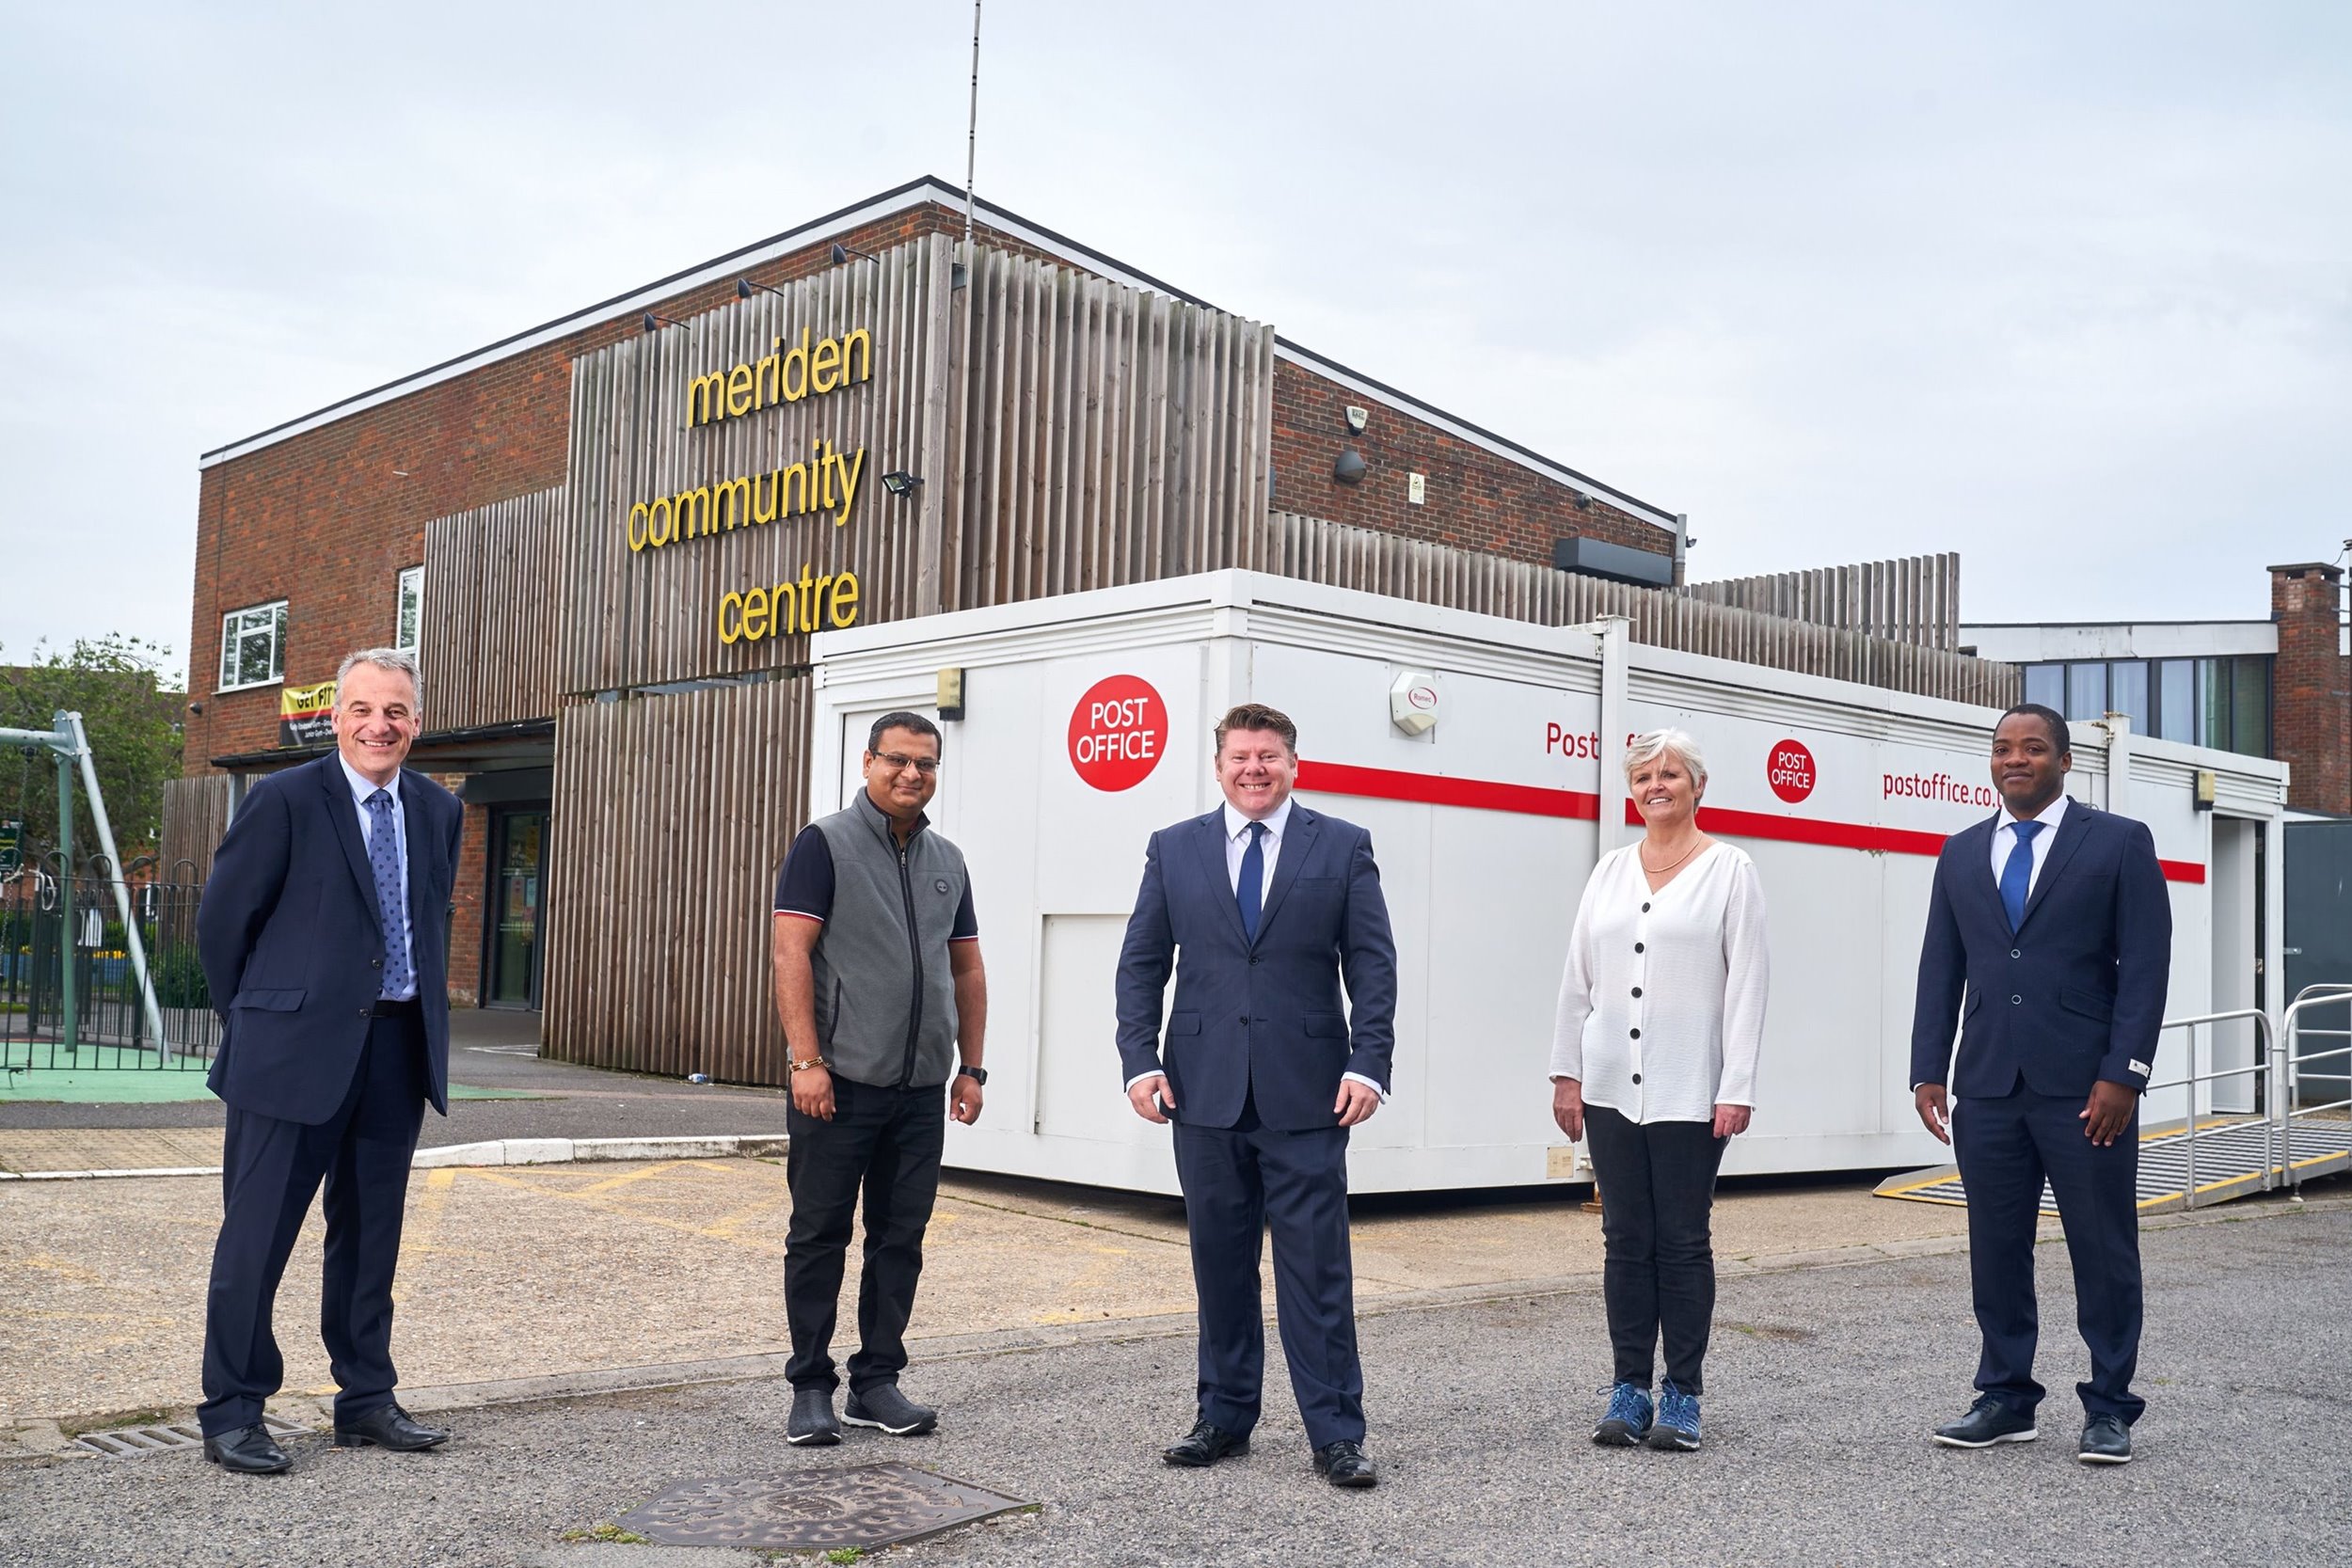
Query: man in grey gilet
point(883, 1002)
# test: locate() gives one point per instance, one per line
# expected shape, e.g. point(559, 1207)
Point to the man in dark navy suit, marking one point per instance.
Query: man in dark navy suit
point(323, 941)
point(1263, 908)
point(2052, 921)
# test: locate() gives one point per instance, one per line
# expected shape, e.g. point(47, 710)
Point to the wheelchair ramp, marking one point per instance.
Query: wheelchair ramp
point(2232, 1155)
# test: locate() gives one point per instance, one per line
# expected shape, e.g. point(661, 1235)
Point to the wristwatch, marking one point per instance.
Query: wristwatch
point(977, 1074)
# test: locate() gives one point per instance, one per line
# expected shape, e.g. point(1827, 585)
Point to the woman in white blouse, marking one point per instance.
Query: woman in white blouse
point(1652, 1058)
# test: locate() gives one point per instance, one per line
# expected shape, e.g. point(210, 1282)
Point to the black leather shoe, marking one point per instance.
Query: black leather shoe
point(1204, 1446)
point(2105, 1441)
point(248, 1451)
point(1988, 1421)
point(812, 1425)
point(885, 1409)
point(1342, 1463)
point(387, 1426)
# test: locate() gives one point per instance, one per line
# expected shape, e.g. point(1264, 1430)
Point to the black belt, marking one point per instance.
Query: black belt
point(406, 1007)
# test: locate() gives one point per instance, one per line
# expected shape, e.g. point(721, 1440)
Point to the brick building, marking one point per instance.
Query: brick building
point(2278, 687)
point(311, 535)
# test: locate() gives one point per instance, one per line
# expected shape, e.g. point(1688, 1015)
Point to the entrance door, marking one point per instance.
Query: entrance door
point(519, 836)
point(2236, 881)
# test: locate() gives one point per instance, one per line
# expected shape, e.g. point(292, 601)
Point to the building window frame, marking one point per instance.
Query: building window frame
point(408, 612)
point(2218, 686)
point(268, 618)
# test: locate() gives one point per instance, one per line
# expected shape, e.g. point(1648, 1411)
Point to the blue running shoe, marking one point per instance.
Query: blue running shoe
point(1677, 1418)
point(1627, 1419)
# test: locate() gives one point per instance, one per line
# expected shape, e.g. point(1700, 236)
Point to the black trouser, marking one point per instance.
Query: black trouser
point(270, 1170)
point(2005, 1148)
point(889, 1140)
point(1658, 1273)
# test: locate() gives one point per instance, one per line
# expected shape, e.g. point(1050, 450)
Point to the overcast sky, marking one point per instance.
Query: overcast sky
point(2067, 288)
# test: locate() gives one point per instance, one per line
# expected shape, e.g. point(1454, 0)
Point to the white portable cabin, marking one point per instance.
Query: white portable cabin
point(1085, 724)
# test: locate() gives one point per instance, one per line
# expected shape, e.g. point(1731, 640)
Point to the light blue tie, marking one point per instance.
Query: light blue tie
point(391, 900)
point(1250, 889)
point(2018, 873)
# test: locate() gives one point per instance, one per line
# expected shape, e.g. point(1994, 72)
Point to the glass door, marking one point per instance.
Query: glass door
point(517, 895)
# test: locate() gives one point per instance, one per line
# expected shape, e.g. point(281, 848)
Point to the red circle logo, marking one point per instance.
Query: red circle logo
point(1791, 770)
point(1118, 733)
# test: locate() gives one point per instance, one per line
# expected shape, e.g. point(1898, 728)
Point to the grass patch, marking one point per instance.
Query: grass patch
point(845, 1554)
point(612, 1534)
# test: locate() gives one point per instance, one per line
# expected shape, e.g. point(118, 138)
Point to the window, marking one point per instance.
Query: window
point(411, 625)
point(2176, 700)
point(2128, 692)
point(253, 646)
point(2047, 684)
point(2249, 705)
point(2085, 692)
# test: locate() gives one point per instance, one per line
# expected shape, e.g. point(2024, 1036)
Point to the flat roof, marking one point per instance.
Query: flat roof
point(916, 193)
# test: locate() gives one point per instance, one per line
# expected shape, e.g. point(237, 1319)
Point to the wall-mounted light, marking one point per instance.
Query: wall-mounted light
point(950, 694)
point(900, 482)
point(1578, 499)
point(1351, 468)
point(655, 324)
point(843, 252)
point(743, 287)
point(1356, 418)
point(2203, 799)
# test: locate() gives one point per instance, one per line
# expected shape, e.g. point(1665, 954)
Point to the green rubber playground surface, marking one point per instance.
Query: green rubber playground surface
point(115, 1075)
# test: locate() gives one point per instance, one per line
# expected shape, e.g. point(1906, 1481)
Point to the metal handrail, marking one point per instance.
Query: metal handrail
point(2292, 1030)
point(2266, 1064)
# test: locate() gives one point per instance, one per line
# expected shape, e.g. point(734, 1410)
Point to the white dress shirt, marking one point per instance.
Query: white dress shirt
point(1270, 846)
point(1662, 1004)
point(2005, 840)
point(360, 789)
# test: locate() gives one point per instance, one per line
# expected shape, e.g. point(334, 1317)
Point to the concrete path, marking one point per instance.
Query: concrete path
point(1824, 1381)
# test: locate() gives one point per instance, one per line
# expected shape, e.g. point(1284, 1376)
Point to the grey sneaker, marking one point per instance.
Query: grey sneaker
point(883, 1406)
point(812, 1424)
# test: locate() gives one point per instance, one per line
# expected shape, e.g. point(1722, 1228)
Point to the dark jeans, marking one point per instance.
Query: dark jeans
point(887, 1140)
point(1657, 1273)
point(270, 1170)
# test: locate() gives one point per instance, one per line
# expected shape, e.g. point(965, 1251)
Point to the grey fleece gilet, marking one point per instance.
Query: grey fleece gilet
point(885, 1001)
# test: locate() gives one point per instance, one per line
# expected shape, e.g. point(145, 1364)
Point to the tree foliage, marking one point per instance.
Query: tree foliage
point(134, 725)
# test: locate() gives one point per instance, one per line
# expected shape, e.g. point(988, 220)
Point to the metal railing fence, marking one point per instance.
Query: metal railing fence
point(69, 995)
point(2263, 1070)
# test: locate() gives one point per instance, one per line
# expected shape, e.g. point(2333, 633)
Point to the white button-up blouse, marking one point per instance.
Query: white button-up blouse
point(1661, 1006)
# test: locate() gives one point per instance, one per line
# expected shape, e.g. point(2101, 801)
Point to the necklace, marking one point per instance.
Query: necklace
point(1661, 870)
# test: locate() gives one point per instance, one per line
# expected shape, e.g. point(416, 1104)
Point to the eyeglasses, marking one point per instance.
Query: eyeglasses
point(897, 764)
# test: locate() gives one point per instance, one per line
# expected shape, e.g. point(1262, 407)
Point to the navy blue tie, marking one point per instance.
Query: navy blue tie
point(391, 900)
point(1250, 889)
point(2018, 873)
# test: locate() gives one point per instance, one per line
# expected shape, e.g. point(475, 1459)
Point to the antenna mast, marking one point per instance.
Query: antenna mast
point(972, 132)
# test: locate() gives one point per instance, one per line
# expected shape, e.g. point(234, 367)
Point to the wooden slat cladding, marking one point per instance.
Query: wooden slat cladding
point(488, 645)
point(672, 816)
point(196, 814)
point(1100, 436)
point(1346, 557)
point(649, 616)
point(1914, 599)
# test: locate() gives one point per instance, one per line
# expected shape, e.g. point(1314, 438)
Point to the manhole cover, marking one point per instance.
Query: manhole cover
point(858, 1505)
point(170, 1437)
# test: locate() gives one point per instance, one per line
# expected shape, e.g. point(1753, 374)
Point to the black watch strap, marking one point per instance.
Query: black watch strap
point(977, 1074)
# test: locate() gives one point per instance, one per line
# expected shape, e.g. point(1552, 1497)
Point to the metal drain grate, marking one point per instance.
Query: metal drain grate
point(169, 1437)
point(857, 1505)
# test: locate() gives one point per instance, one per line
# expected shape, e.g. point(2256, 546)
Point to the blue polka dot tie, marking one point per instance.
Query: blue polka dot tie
point(391, 900)
point(2018, 873)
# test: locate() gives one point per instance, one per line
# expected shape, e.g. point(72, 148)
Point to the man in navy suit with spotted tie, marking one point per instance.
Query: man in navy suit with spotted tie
point(2050, 940)
point(1264, 909)
point(324, 942)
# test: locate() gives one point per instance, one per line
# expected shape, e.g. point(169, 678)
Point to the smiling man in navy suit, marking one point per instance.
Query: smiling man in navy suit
point(2052, 921)
point(321, 931)
point(1264, 909)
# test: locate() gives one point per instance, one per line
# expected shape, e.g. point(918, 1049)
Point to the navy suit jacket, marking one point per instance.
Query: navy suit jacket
point(293, 943)
point(1262, 1020)
point(2076, 994)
